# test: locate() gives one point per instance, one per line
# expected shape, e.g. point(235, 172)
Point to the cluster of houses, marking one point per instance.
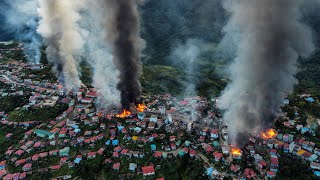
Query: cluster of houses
point(98, 133)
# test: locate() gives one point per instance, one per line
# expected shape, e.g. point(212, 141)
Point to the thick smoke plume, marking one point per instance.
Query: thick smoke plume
point(21, 19)
point(123, 32)
point(270, 38)
point(99, 54)
point(63, 38)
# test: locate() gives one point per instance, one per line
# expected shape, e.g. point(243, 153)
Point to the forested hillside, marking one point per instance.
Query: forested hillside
point(167, 23)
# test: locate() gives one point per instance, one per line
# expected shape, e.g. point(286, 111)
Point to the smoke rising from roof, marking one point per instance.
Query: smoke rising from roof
point(99, 54)
point(184, 56)
point(63, 38)
point(270, 38)
point(21, 19)
point(123, 29)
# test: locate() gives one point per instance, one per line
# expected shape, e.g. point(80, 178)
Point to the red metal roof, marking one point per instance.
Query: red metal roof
point(148, 169)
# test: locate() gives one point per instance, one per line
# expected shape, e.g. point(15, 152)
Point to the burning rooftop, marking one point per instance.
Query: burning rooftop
point(270, 133)
point(236, 152)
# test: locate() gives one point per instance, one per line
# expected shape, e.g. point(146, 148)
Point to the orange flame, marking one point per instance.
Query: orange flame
point(141, 108)
point(124, 114)
point(236, 151)
point(271, 133)
point(60, 86)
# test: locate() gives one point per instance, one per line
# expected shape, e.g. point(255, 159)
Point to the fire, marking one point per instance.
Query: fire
point(124, 114)
point(236, 151)
point(271, 133)
point(141, 107)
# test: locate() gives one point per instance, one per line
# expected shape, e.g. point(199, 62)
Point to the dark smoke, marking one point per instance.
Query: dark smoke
point(270, 38)
point(126, 48)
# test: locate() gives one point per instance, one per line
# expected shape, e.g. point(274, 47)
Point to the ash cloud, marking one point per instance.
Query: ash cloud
point(270, 38)
point(63, 38)
point(123, 30)
point(21, 19)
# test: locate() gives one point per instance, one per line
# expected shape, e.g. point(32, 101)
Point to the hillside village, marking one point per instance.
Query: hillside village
point(139, 145)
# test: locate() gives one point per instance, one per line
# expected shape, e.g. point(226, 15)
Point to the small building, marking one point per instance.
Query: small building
point(27, 167)
point(116, 166)
point(92, 155)
point(148, 171)
point(43, 133)
point(271, 174)
point(132, 167)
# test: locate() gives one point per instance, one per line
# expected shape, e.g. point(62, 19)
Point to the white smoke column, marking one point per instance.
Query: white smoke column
point(270, 38)
point(63, 37)
point(21, 18)
point(99, 55)
point(185, 56)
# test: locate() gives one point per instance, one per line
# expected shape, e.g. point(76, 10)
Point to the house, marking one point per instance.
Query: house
point(19, 152)
point(192, 152)
point(100, 151)
point(271, 174)
point(286, 147)
point(304, 130)
point(78, 159)
point(27, 167)
point(234, 168)
point(35, 157)
point(274, 164)
point(249, 173)
point(91, 94)
point(118, 149)
point(44, 154)
point(148, 171)
point(217, 156)
point(310, 99)
point(55, 168)
point(115, 154)
point(172, 138)
point(3, 173)
point(173, 146)
point(64, 152)
point(158, 154)
point(313, 158)
point(42, 133)
point(116, 166)
point(132, 167)
point(3, 165)
point(262, 165)
point(63, 160)
point(92, 155)
point(153, 118)
point(273, 152)
point(315, 166)
point(115, 142)
point(124, 152)
point(20, 162)
point(210, 172)
point(153, 147)
point(214, 133)
point(86, 100)
point(201, 138)
point(87, 133)
point(151, 125)
point(53, 152)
